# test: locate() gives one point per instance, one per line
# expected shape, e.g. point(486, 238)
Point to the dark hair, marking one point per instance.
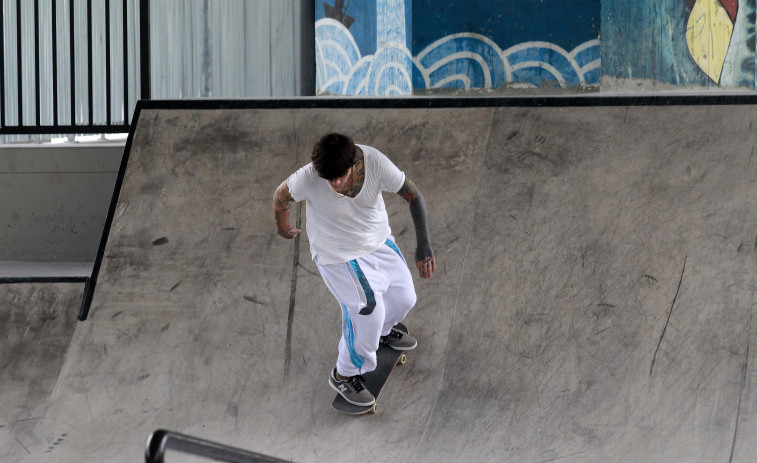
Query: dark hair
point(333, 155)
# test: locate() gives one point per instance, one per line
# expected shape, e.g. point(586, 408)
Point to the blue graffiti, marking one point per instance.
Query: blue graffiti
point(460, 61)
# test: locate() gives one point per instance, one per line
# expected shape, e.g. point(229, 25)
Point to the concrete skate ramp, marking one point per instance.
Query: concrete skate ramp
point(593, 300)
point(37, 322)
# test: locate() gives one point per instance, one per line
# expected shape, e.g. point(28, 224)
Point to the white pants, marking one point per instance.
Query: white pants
point(375, 293)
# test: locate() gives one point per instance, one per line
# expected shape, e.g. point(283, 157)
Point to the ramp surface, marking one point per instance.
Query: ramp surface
point(37, 322)
point(593, 300)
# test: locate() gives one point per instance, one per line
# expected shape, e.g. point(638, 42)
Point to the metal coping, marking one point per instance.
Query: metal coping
point(17, 280)
point(325, 102)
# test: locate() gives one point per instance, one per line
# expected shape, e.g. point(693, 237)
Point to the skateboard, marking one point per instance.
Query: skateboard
point(386, 359)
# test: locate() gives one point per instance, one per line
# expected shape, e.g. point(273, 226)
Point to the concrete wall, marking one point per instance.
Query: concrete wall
point(54, 200)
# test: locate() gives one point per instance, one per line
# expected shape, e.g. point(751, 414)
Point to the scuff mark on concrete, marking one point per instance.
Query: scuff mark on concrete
point(744, 370)
point(253, 299)
point(667, 322)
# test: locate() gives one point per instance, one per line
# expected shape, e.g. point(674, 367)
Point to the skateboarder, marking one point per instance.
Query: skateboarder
point(353, 248)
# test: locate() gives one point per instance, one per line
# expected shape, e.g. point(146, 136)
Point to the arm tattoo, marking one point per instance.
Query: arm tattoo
point(281, 200)
point(359, 174)
point(414, 198)
point(409, 192)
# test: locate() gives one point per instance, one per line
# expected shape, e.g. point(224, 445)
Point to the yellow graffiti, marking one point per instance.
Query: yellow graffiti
point(708, 34)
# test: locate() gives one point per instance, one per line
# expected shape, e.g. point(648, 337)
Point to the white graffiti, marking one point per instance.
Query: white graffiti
point(463, 61)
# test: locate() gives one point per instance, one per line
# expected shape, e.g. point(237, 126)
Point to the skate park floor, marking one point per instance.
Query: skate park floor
point(592, 302)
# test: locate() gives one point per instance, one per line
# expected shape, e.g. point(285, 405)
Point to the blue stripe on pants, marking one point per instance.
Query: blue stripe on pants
point(349, 338)
point(389, 243)
point(370, 298)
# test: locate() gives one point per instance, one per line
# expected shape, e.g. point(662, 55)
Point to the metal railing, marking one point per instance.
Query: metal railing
point(41, 79)
point(161, 440)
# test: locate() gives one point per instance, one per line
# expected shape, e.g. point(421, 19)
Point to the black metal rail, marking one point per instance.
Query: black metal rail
point(161, 440)
point(23, 93)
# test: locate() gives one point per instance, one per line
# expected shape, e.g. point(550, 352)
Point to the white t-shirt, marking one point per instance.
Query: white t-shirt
point(341, 228)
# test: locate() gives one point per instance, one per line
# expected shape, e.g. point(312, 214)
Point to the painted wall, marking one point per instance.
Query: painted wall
point(363, 47)
point(494, 44)
point(701, 43)
point(389, 47)
point(398, 47)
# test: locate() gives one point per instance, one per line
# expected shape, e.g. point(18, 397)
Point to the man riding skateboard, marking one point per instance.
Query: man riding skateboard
point(353, 248)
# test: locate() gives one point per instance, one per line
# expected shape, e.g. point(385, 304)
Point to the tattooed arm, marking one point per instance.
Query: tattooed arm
point(424, 255)
point(281, 200)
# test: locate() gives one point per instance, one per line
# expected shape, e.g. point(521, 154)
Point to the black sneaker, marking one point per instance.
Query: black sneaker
point(352, 389)
point(398, 340)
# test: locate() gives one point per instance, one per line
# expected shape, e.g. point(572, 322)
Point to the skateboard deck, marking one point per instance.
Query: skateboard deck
point(387, 359)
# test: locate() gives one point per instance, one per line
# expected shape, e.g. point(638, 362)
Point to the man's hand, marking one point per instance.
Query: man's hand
point(424, 255)
point(424, 260)
point(281, 200)
point(290, 233)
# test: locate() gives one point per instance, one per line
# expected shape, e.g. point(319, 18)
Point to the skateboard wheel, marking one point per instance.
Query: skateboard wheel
point(374, 408)
point(403, 359)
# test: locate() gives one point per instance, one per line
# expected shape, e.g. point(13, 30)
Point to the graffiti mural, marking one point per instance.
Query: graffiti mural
point(503, 53)
point(708, 34)
point(492, 44)
point(474, 61)
point(720, 35)
point(368, 53)
point(708, 43)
